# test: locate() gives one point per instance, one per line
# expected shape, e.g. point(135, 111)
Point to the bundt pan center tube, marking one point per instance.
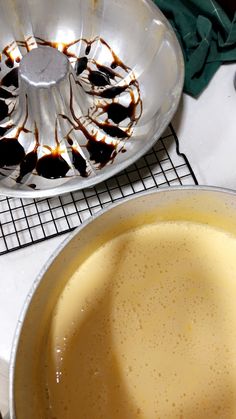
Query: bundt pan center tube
point(86, 88)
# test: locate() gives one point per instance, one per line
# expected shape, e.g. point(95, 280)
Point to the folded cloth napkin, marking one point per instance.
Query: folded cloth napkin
point(207, 37)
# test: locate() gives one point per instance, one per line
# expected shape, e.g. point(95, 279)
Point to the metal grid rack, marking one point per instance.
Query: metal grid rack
point(27, 221)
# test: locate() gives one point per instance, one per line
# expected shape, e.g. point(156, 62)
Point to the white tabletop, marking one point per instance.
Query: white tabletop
point(206, 130)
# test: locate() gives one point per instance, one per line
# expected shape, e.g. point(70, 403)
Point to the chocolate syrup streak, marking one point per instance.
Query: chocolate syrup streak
point(7, 99)
point(79, 162)
point(3, 130)
point(111, 130)
point(118, 113)
point(53, 165)
point(95, 148)
point(11, 151)
point(5, 94)
point(105, 83)
point(81, 65)
point(3, 110)
point(32, 186)
point(103, 77)
point(97, 78)
point(115, 111)
point(106, 70)
point(11, 79)
point(27, 165)
point(29, 162)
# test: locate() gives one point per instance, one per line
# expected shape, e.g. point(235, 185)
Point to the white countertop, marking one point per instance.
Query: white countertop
point(206, 130)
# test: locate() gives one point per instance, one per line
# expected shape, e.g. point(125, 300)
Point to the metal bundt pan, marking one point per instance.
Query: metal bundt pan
point(86, 88)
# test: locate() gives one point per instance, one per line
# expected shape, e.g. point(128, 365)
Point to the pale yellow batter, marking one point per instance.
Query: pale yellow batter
point(146, 329)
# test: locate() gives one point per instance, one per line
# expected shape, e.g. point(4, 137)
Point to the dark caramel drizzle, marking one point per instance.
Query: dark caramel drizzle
point(53, 165)
point(5, 94)
point(27, 165)
point(3, 110)
point(29, 162)
point(95, 148)
point(11, 78)
point(99, 79)
point(81, 65)
point(101, 152)
point(3, 130)
point(32, 186)
point(118, 113)
point(11, 151)
point(106, 70)
point(79, 163)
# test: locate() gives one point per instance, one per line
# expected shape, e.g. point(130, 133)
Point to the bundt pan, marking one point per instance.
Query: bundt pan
point(86, 88)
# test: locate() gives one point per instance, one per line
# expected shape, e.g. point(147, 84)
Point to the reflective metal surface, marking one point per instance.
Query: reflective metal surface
point(86, 88)
point(214, 206)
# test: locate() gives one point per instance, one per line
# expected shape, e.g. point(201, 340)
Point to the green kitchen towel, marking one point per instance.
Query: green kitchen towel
point(207, 37)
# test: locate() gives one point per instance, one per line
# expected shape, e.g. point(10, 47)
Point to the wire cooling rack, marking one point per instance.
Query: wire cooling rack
point(27, 221)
